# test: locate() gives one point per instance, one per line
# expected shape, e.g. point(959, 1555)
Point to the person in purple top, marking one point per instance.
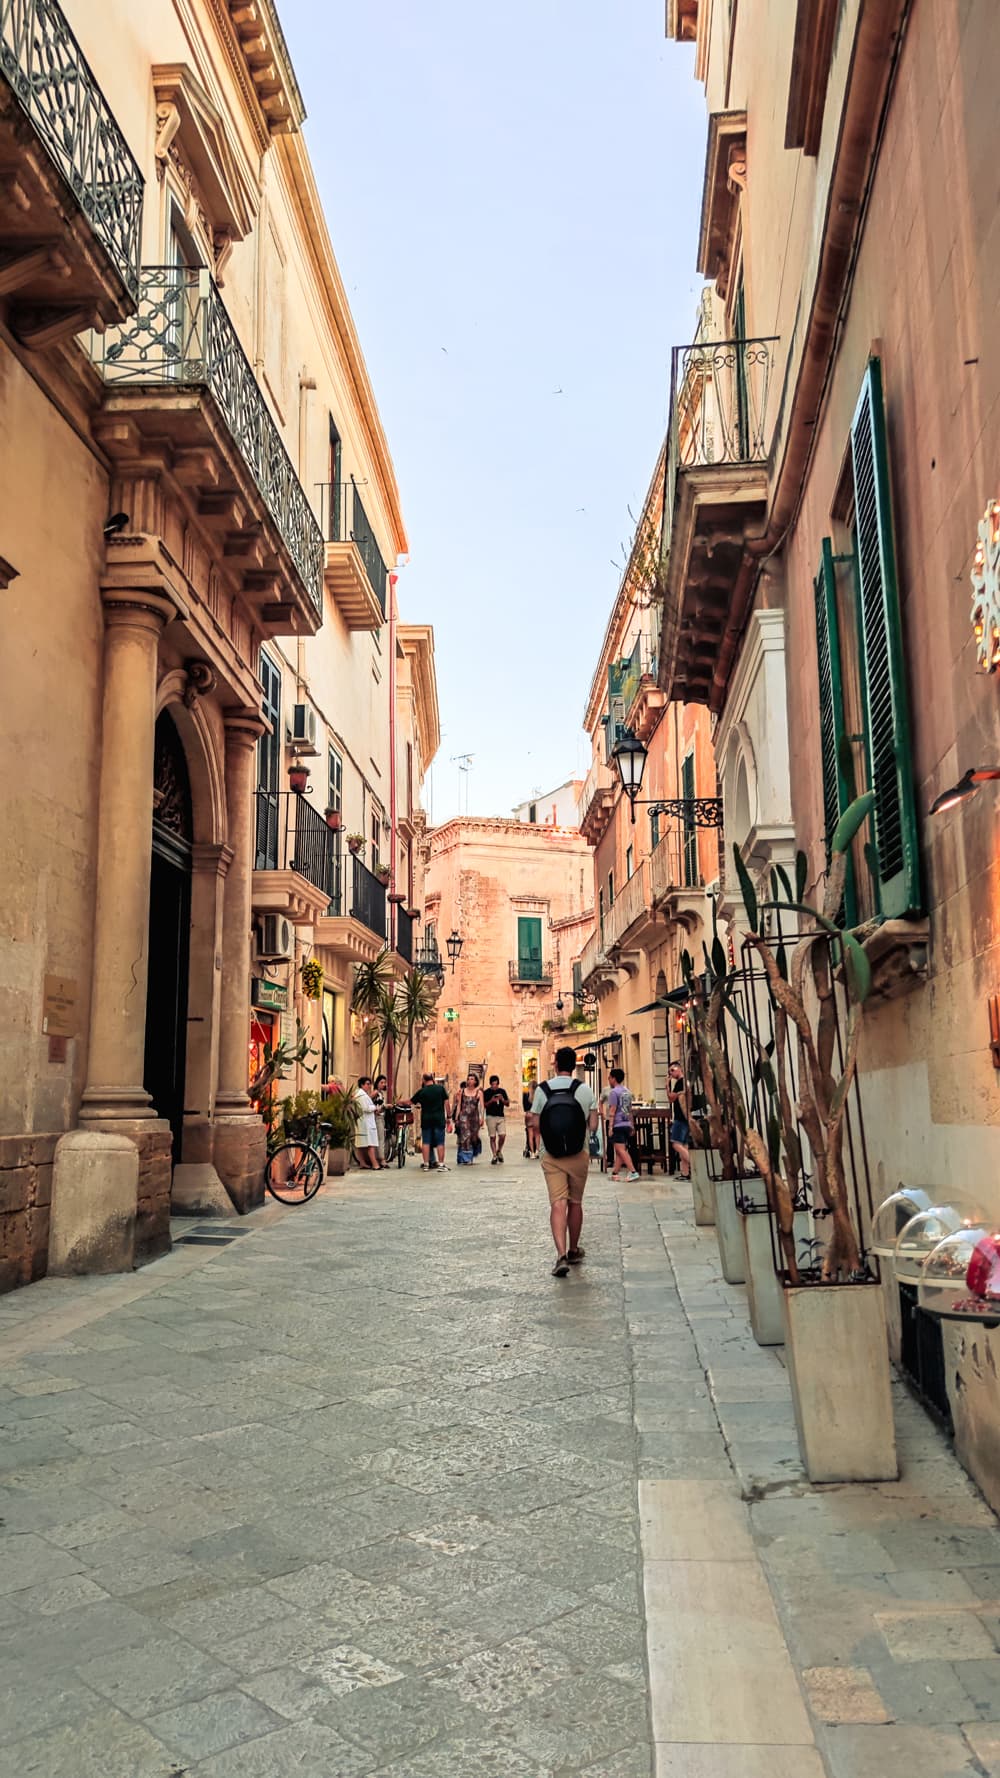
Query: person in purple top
point(619, 1108)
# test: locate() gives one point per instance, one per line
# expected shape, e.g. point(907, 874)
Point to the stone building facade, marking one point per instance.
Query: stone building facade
point(651, 866)
point(519, 896)
point(833, 479)
point(198, 523)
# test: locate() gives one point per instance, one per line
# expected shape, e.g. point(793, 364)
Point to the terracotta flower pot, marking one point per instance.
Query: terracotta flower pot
point(334, 820)
point(298, 778)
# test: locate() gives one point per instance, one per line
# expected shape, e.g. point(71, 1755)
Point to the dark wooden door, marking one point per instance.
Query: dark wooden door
point(169, 932)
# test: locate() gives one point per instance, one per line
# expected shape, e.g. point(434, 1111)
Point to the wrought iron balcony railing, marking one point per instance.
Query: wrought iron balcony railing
point(55, 87)
point(640, 664)
point(345, 520)
point(182, 336)
point(404, 935)
point(367, 902)
point(292, 835)
point(531, 970)
point(719, 407)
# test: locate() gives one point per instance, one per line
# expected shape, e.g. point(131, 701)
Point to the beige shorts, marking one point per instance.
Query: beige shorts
point(566, 1177)
point(496, 1126)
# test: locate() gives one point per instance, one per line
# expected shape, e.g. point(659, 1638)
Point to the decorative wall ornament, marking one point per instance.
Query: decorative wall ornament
point(985, 579)
point(201, 679)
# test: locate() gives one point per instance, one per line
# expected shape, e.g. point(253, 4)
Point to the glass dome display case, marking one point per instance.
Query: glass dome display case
point(960, 1278)
point(891, 1218)
point(924, 1231)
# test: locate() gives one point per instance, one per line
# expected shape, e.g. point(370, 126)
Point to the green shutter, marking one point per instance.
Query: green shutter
point(529, 949)
point(690, 831)
point(831, 696)
point(886, 717)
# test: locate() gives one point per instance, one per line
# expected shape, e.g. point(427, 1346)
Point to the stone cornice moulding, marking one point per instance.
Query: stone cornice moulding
point(725, 181)
point(451, 833)
point(417, 643)
point(191, 126)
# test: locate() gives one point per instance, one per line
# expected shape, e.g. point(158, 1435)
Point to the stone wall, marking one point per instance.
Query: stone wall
point(25, 1205)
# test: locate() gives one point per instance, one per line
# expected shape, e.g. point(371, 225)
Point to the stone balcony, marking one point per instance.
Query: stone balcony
point(597, 800)
point(70, 188)
point(183, 408)
point(722, 404)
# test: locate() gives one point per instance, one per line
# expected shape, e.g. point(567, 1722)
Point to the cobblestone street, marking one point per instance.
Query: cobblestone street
point(356, 1493)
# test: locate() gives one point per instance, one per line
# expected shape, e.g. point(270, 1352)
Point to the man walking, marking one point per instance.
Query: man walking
point(496, 1105)
point(435, 1113)
point(564, 1111)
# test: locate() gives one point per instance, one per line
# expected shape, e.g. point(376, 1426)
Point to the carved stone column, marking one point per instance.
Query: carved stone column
point(134, 621)
point(240, 1143)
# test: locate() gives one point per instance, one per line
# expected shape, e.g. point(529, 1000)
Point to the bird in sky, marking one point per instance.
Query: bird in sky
point(557, 391)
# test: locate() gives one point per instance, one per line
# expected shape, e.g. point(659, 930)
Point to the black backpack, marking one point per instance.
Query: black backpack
point(563, 1121)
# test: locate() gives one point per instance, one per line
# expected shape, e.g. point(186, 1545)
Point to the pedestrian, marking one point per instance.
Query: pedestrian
point(366, 1141)
point(496, 1102)
point(619, 1109)
point(432, 1100)
point(381, 1099)
point(563, 1110)
point(469, 1114)
point(530, 1129)
point(680, 1129)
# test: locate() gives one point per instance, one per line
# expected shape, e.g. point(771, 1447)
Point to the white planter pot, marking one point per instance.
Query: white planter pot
point(764, 1290)
point(702, 1190)
point(729, 1232)
point(893, 1313)
point(837, 1355)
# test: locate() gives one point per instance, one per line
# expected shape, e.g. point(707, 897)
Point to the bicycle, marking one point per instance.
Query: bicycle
point(296, 1166)
point(398, 1123)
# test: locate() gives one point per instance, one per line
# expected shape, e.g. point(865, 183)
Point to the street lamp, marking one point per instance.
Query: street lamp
point(455, 942)
point(695, 811)
point(967, 786)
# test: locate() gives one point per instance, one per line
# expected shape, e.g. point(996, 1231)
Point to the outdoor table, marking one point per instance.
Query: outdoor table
point(650, 1143)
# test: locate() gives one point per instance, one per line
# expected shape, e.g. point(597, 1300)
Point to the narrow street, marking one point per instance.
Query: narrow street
point(356, 1493)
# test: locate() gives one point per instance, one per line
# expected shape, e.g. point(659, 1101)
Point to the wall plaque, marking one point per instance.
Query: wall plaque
point(59, 1014)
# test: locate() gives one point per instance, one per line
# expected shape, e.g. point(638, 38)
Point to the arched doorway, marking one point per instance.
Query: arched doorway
point(169, 929)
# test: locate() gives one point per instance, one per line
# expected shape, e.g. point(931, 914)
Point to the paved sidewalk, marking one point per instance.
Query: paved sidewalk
point(366, 1492)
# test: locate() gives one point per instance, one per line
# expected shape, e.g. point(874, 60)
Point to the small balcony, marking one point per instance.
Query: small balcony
point(597, 972)
point(630, 915)
point(676, 885)
point(70, 188)
point(180, 391)
point(403, 946)
point(297, 860)
point(596, 801)
point(642, 699)
point(722, 402)
point(354, 926)
point(356, 574)
point(529, 972)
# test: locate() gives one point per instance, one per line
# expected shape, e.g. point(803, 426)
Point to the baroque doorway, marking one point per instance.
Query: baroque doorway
point(169, 930)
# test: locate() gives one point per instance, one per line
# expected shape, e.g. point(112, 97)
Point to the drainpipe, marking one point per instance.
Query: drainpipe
point(871, 78)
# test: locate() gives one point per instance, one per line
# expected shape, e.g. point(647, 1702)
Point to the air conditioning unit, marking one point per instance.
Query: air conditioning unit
point(303, 729)
point(275, 938)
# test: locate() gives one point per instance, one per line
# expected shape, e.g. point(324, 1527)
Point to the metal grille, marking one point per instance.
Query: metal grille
point(292, 835)
point(182, 335)
point(344, 520)
point(404, 935)
point(367, 898)
point(54, 84)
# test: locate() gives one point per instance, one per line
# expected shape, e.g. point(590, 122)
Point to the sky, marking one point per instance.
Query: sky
point(513, 196)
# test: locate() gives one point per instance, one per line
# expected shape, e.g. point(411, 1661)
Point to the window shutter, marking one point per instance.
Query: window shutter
point(831, 697)
point(886, 717)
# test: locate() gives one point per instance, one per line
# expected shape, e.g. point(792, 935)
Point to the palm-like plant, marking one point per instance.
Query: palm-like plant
point(372, 982)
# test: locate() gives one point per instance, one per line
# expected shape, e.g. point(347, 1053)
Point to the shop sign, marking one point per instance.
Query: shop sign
point(986, 588)
point(273, 995)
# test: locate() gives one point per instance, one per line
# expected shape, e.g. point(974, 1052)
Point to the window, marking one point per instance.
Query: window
point(409, 778)
point(533, 812)
point(335, 529)
point(629, 864)
point(335, 780)
point(375, 833)
point(269, 766)
point(654, 829)
point(868, 682)
point(600, 913)
point(529, 948)
point(690, 831)
point(611, 888)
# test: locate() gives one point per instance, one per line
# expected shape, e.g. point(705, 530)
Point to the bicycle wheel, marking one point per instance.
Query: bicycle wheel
point(294, 1173)
point(401, 1146)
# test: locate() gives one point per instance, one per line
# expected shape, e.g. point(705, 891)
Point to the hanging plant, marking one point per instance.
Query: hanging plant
point(312, 978)
point(355, 841)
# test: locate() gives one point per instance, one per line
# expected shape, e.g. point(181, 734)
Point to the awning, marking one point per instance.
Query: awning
point(598, 1043)
point(676, 997)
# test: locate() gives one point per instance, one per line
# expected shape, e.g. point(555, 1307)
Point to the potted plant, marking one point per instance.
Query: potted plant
point(334, 820)
point(413, 914)
point(311, 975)
point(297, 1112)
point(355, 841)
point(834, 1313)
point(340, 1109)
point(298, 776)
point(383, 874)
